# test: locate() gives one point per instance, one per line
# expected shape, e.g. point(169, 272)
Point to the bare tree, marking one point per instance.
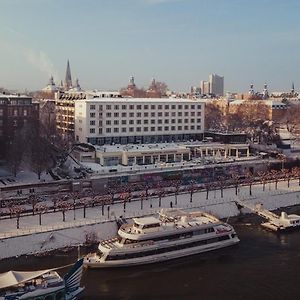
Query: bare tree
point(213, 116)
point(274, 175)
point(143, 195)
point(293, 121)
point(40, 156)
point(73, 197)
point(192, 188)
point(16, 210)
point(236, 181)
point(249, 181)
point(33, 200)
point(208, 186)
point(16, 153)
point(160, 193)
point(125, 197)
point(263, 178)
point(64, 206)
point(287, 176)
point(112, 192)
point(85, 202)
point(40, 209)
point(177, 187)
point(296, 174)
point(221, 184)
point(55, 199)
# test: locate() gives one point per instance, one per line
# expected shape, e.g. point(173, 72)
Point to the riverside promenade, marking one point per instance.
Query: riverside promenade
point(98, 224)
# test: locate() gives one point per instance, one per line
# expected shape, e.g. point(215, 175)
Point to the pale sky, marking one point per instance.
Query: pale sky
point(179, 42)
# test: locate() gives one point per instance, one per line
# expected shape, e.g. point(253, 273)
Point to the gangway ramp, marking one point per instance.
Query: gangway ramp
point(259, 210)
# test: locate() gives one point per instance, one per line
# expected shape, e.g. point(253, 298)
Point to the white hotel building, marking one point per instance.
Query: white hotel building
point(102, 121)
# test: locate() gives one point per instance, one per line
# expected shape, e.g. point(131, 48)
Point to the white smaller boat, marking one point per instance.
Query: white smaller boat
point(42, 284)
point(284, 222)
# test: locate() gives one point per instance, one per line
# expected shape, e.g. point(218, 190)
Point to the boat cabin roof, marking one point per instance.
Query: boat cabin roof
point(13, 278)
point(146, 221)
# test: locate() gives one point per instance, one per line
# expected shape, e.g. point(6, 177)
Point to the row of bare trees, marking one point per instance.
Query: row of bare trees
point(147, 192)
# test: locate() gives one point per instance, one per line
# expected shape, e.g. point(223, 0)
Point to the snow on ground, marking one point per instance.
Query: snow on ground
point(54, 233)
point(23, 176)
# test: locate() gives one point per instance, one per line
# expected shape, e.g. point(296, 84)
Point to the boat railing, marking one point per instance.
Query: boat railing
point(108, 243)
point(127, 228)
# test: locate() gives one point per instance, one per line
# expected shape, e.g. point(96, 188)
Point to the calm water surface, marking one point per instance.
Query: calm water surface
point(263, 266)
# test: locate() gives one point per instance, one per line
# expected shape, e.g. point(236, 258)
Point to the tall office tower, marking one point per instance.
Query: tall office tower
point(205, 87)
point(68, 78)
point(216, 84)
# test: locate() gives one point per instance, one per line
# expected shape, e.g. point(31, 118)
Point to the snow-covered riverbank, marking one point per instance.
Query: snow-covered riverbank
point(55, 234)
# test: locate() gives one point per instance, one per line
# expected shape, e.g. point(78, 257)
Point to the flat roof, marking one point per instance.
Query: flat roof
point(146, 220)
point(142, 100)
point(140, 147)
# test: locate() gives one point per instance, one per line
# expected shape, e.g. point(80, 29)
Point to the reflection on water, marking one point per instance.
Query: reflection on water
point(263, 266)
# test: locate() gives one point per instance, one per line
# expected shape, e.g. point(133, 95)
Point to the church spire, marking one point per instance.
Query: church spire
point(68, 78)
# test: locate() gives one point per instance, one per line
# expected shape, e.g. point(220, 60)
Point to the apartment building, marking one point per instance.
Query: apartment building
point(138, 120)
point(65, 107)
point(15, 112)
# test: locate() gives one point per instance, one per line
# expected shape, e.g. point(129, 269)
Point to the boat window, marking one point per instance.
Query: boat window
point(208, 230)
point(170, 237)
point(224, 237)
point(128, 241)
point(187, 234)
point(49, 297)
point(197, 232)
point(166, 249)
point(150, 225)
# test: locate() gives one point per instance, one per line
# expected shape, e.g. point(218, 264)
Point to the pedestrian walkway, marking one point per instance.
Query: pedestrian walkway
point(271, 197)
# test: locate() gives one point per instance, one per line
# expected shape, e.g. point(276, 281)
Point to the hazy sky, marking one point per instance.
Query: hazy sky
point(177, 41)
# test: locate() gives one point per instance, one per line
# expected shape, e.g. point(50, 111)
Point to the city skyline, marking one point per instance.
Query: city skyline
point(179, 42)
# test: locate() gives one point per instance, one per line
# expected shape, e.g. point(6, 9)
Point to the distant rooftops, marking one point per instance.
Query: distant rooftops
point(8, 96)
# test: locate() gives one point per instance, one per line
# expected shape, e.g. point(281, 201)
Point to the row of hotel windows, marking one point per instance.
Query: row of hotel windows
point(145, 129)
point(15, 112)
point(146, 114)
point(13, 122)
point(153, 121)
point(146, 106)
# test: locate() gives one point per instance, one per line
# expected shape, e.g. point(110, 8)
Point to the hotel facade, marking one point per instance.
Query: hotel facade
point(138, 120)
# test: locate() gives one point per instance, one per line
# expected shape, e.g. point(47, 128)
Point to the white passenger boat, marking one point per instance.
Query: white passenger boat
point(42, 284)
point(173, 234)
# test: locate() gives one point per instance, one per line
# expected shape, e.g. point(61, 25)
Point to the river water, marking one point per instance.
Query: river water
point(264, 265)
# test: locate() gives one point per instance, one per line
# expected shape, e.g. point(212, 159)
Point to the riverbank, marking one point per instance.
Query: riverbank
point(55, 234)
